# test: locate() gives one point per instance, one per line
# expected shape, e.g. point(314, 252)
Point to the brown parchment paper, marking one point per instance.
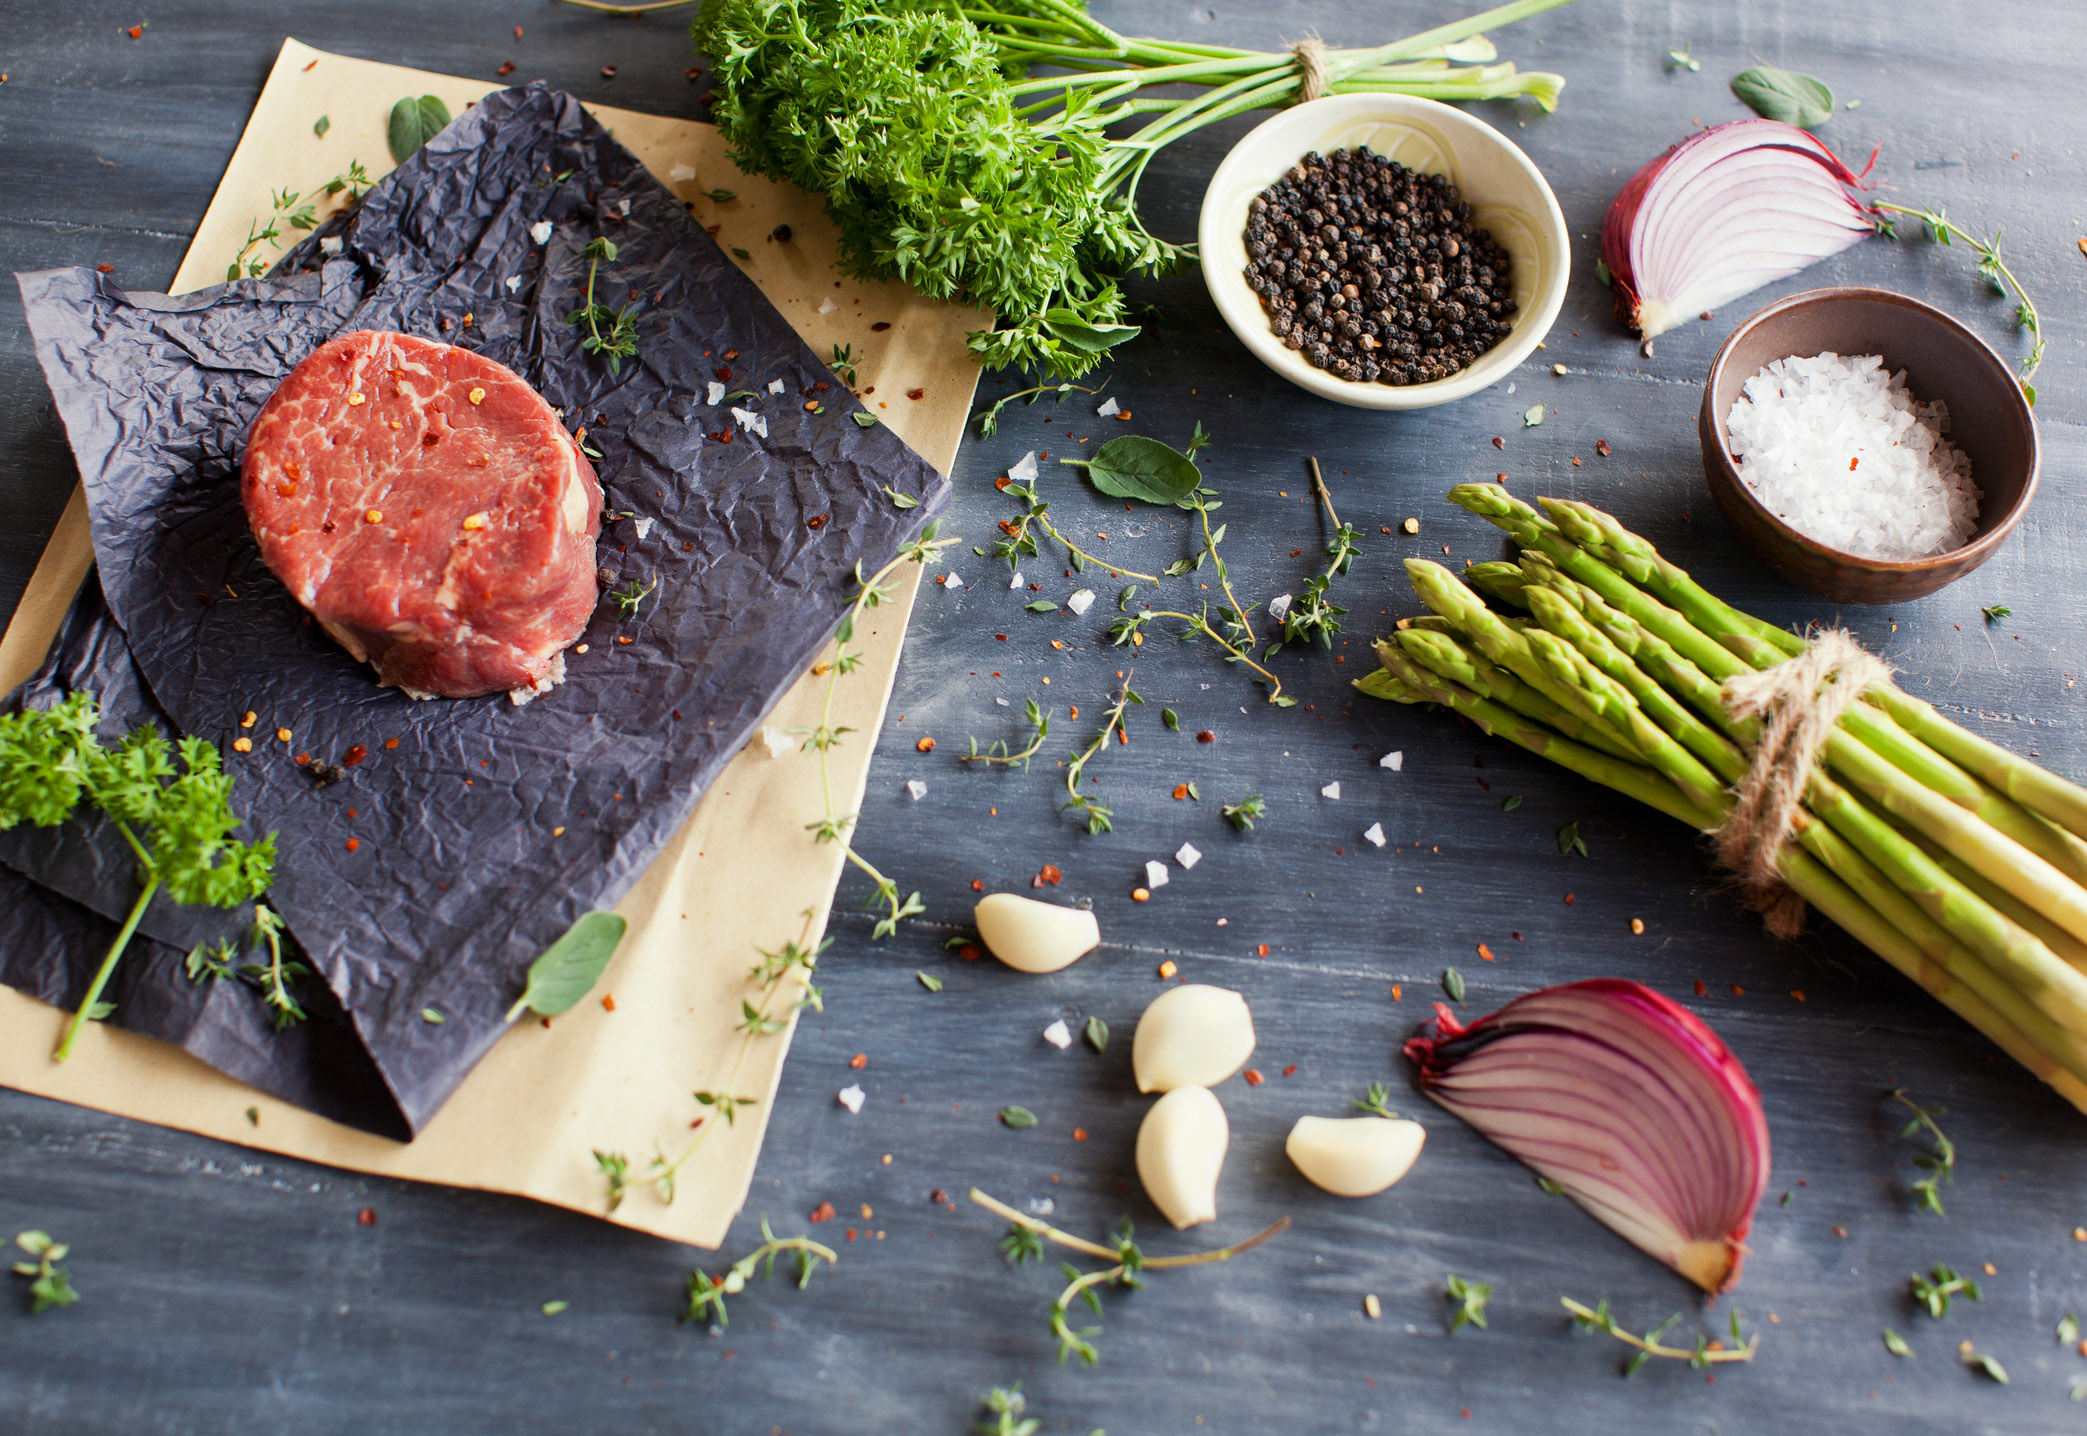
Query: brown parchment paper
point(741, 876)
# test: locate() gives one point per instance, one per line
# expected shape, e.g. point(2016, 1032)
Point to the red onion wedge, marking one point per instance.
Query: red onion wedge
point(1722, 213)
point(1624, 1099)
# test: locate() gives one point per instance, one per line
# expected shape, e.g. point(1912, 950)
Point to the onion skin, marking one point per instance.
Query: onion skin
point(1625, 1099)
point(1694, 170)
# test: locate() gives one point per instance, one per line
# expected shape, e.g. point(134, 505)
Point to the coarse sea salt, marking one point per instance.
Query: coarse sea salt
point(851, 1098)
point(1842, 451)
point(1080, 602)
point(1023, 470)
point(1374, 833)
point(1058, 1035)
point(1393, 761)
point(1188, 855)
point(1155, 873)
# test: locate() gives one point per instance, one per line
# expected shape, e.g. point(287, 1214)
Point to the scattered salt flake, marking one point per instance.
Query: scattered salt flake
point(331, 244)
point(1080, 602)
point(1279, 607)
point(1058, 1034)
point(1393, 761)
point(952, 582)
point(715, 394)
point(514, 283)
point(1155, 874)
point(1510, 388)
point(622, 209)
point(1016, 581)
point(750, 421)
point(775, 386)
point(1001, 701)
point(1374, 835)
point(540, 232)
point(1331, 790)
point(643, 527)
point(915, 789)
point(1187, 856)
point(1023, 470)
point(851, 1098)
point(1042, 1206)
point(827, 306)
point(1109, 406)
point(777, 740)
point(681, 174)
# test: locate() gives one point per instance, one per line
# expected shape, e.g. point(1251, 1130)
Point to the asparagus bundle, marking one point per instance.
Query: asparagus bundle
point(1961, 864)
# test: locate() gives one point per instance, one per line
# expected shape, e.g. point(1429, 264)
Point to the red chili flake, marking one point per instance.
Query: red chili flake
point(978, 885)
point(507, 67)
point(852, 1234)
point(1601, 446)
point(367, 1216)
point(815, 522)
point(1079, 1134)
point(354, 843)
point(821, 1213)
point(390, 743)
point(712, 229)
point(1206, 736)
point(136, 31)
point(938, 1196)
point(1001, 636)
point(692, 73)
point(307, 69)
point(608, 72)
point(1291, 1070)
point(1253, 1077)
point(1498, 442)
point(1180, 790)
point(1262, 950)
point(916, 393)
point(1840, 1231)
point(1798, 993)
point(859, 1060)
point(302, 760)
point(104, 269)
point(354, 755)
point(1738, 991)
point(518, 32)
point(880, 326)
point(1485, 952)
point(724, 373)
point(1576, 462)
point(1397, 995)
point(1702, 988)
point(1295, 551)
point(971, 952)
point(1569, 900)
point(1049, 874)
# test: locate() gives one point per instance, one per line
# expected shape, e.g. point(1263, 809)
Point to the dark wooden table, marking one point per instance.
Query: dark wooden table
point(225, 1291)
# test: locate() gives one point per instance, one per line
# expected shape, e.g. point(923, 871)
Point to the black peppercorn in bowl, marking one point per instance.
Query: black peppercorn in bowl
point(1402, 253)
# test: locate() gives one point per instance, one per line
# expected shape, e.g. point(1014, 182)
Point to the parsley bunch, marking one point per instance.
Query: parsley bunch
point(948, 163)
point(177, 821)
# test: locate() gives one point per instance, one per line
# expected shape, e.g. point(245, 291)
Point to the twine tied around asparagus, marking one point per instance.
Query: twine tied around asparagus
point(1310, 53)
point(1799, 701)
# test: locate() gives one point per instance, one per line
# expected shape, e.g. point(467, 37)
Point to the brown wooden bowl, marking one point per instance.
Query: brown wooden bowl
point(1990, 420)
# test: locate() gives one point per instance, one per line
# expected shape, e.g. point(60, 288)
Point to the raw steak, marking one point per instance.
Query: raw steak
point(430, 510)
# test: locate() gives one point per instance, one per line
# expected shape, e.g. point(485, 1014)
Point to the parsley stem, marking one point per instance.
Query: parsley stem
point(107, 969)
point(1043, 1229)
point(2027, 317)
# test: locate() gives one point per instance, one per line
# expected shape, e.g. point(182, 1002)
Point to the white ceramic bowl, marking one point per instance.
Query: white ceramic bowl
point(1504, 190)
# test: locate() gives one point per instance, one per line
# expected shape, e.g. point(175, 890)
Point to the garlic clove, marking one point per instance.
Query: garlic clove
point(1193, 1036)
point(1181, 1150)
point(1032, 936)
point(1354, 1156)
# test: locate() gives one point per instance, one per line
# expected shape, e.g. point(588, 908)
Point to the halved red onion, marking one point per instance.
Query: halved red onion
point(1724, 212)
point(1627, 1101)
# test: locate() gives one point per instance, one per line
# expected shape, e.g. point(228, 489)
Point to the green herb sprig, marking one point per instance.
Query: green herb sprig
point(1470, 1298)
point(1007, 1406)
point(1017, 540)
point(1705, 1352)
point(49, 1284)
point(621, 342)
point(1097, 815)
point(1311, 618)
point(1039, 721)
point(1934, 1290)
point(289, 208)
point(630, 596)
point(1242, 814)
point(706, 1294)
point(989, 417)
point(1126, 1263)
point(177, 821)
point(843, 364)
point(1991, 268)
point(1376, 1100)
point(1940, 1164)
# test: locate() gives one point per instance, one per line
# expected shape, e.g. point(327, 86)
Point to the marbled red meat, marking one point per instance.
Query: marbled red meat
point(430, 510)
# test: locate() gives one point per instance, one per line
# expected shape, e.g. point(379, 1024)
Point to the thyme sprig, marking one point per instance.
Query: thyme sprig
point(1007, 1406)
point(1017, 540)
point(1096, 814)
point(871, 592)
point(287, 207)
point(49, 1284)
point(1704, 1353)
point(275, 976)
point(1471, 1298)
point(706, 1294)
point(1131, 629)
point(1375, 1100)
point(843, 364)
point(1241, 815)
point(1310, 617)
point(1939, 1164)
point(1991, 267)
point(1934, 1290)
point(1039, 721)
point(630, 596)
point(989, 418)
point(621, 342)
point(1126, 1262)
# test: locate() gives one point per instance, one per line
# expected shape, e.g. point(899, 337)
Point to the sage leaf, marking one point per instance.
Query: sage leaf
point(1097, 1034)
point(413, 123)
point(719, 196)
point(1135, 467)
point(1170, 719)
point(321, 125)
point(552, 1308)
point(1896, 1344)
point(740, 252)
point(864, 420)
point(1532, 416)
point(1784, 95)
point(1511, 802)
point(1979, 1361)
point(1042, 605)
point(1453, 984)
point(571, 966)
point(1018, 1117)
point(2068, 1330)
point(928, 980)
point(899, 500)
point(432, 1017)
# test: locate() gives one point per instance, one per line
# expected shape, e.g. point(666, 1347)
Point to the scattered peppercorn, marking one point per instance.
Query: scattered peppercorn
point(1374, 272)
